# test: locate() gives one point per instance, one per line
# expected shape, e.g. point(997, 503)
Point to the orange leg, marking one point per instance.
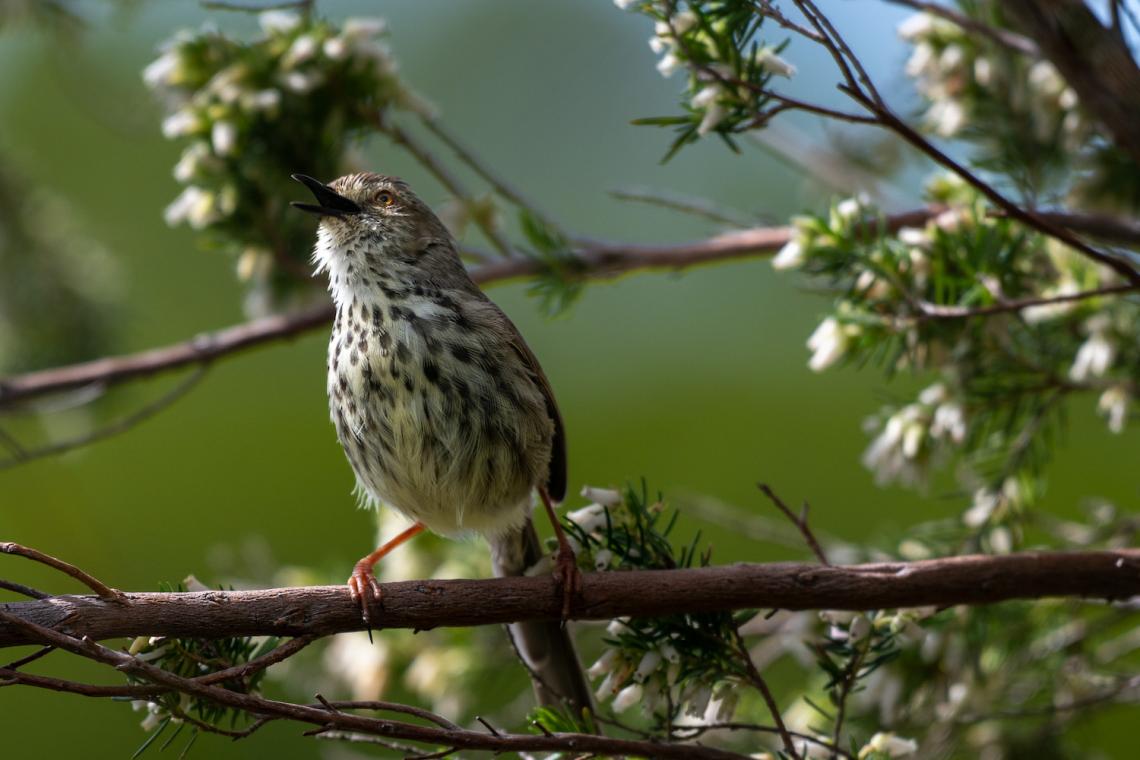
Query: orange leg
point(362, 584)
point(566, 564)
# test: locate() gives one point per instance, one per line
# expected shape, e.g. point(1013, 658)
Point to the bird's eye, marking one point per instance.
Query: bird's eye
point(384, 198)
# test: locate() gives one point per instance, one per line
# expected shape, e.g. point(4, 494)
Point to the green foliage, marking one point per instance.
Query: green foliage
point(729, 67)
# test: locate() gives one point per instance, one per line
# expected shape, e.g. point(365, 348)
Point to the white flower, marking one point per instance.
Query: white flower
point(179, 208)
point(223, 136)
point(668, 64)
point(263, 100)
point(889, 745)
point(359, 663)
point(604, 664)
point(360, 27)
point(949, 420)
point(858, 629)
point(161, 70)
point(1113, 404)
point(180, 123)
point(608, 686)
point(603, 558)
point(607, 497)
point(985, 502)
point(1045, 78)
point(913, 236)
point(278, 21)
point(708, 98)
point(1068, 99)
point(791, 256)
point(302, 49)
point(193, 160)
point(849, 208)
point(983, 71)
point(1001, 541)
point(625, 5)
point(302, 82)
point(684, 21)
point(627, 697)
point(933, 394)
point(768, 60)
point(589, 518)
point(919, 60)
point(658, 44)
point(828, 344)
point(1096, 354)
point(649, 662)
point(335, 48)
point(946, 117)
point(916, 26)
point(951, 58)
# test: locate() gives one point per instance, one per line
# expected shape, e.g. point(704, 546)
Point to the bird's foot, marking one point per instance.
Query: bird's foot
point(569, 577)
point(365, 590)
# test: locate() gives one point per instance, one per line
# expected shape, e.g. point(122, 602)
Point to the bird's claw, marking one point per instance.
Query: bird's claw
point(364, 590)
point(569, 577)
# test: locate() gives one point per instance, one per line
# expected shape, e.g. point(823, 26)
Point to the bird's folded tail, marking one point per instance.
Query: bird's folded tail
point(545, 645)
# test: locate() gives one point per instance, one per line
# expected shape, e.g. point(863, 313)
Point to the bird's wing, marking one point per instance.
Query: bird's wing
point(556, 478)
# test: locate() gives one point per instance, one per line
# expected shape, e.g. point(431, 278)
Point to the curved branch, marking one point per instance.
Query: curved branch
point(597, 260)
point(423, 604)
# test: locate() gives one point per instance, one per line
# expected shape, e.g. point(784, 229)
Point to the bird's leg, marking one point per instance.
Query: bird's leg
point(362, 584)
point(566, 565)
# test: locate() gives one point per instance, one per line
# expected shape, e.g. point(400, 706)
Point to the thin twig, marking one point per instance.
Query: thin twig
point(278, 654)
point(691, 732)
point(17, 664)
point(753, 676)
point(402, 137)
point(101, 589)
point(686, 205)
point(501, 186)
point(800, 521)
point(117, 427)
point(939, 311)
point(20, 588)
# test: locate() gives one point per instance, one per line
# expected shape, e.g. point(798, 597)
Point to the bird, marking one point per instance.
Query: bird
point(441, 407)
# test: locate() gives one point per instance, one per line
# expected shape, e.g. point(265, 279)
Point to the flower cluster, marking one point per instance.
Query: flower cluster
point(910, 436)
point(729, 67)
point(251, 113)
point(904, 298)
point(959, 77)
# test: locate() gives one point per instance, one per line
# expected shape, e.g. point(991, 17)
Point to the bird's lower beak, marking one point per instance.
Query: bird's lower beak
point(329, 202)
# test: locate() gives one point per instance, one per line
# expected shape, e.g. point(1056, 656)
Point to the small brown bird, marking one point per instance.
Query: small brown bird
point(441, 407)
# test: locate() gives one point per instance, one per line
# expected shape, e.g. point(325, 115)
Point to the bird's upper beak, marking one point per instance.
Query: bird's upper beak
point(329, 202)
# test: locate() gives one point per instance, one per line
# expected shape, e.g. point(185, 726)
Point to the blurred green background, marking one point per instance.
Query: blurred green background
point(696, 381)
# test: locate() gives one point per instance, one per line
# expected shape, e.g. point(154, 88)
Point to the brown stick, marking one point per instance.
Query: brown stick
point(977, 579)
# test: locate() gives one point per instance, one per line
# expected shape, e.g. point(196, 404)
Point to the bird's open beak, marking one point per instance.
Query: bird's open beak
point(329, 202)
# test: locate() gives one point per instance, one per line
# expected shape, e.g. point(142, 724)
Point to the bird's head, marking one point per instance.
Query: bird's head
point(372, 221)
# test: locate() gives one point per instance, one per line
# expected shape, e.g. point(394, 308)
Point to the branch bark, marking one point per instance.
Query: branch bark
point(977, 579)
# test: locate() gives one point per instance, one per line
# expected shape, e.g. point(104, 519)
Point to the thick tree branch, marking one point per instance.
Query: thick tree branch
point(979, 579)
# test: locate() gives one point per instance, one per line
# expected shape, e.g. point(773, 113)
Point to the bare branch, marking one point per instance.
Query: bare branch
point(424, 604)
point(940, 311)
point(800, 521)
point(593, 259)
point(104, 591)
